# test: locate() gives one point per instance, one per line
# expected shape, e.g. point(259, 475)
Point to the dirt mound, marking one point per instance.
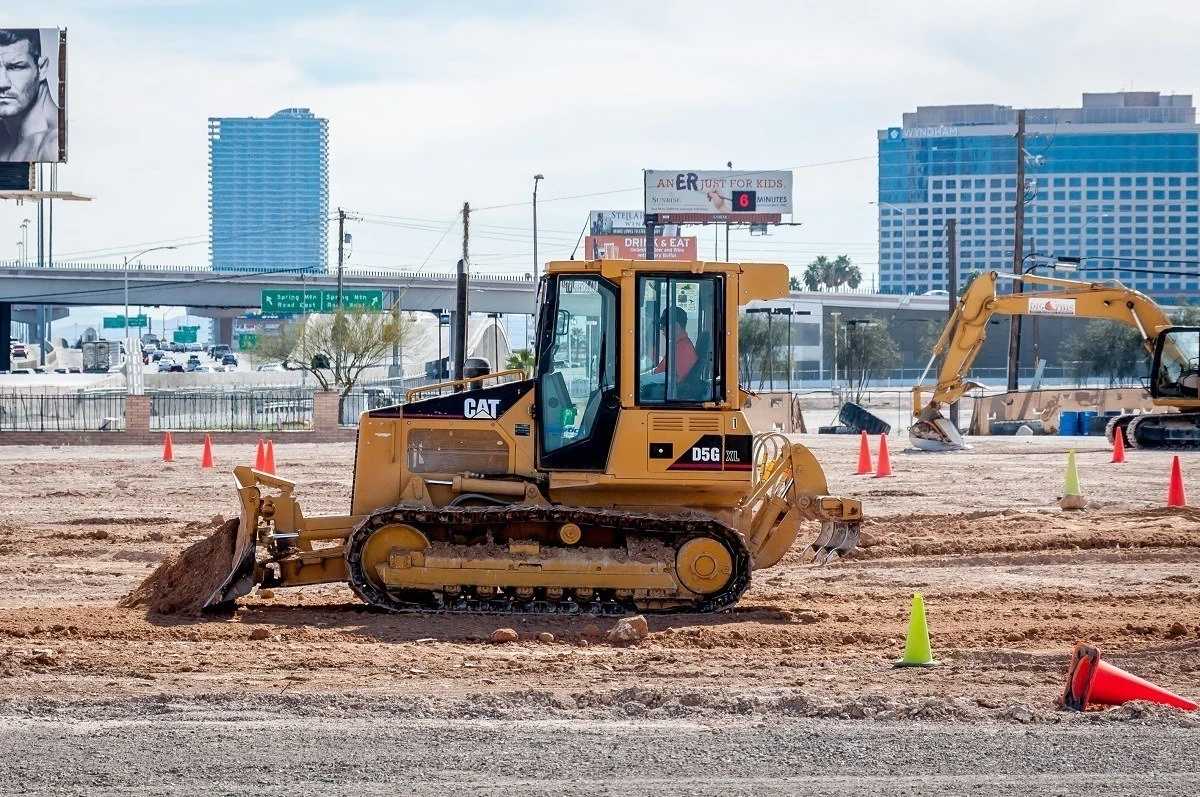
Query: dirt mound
point(184, 581)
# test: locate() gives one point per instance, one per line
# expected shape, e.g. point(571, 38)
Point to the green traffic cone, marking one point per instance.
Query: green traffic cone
point(1072, 487)
point(916, 647)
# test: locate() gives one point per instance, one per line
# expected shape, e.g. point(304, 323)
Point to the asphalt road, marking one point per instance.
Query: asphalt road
point(370, 746)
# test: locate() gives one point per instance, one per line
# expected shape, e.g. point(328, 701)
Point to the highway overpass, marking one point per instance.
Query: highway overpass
point(92, 284)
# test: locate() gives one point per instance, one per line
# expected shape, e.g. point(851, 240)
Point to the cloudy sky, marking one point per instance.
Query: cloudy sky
point(435, 103)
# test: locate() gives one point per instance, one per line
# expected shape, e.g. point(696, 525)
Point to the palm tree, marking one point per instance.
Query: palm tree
point(816, 273)
point(845, 273)
point(520, 359)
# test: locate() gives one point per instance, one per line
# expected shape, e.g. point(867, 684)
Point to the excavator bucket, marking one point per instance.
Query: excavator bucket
point(935, 434)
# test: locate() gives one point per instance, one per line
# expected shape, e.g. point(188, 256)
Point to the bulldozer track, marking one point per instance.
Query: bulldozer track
point(672, 530)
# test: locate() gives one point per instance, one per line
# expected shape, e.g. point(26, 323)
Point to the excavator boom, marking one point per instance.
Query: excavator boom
point(964, 334)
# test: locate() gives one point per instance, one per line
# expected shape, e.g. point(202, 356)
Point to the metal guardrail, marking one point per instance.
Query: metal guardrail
point(390, 274)
point(62, 412)
point(273, 410)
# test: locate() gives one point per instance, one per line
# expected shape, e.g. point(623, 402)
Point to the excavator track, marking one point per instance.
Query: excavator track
point(1178, 431)
point(480, 526)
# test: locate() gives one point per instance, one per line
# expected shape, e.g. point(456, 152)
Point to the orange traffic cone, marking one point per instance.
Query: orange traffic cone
point(260, 458)
point(1118, 445)
point(864, 456)
point(885, 462)
point(1175, 495)
point(1090, 680)
point(206, 461)
point(168, 448)
point(269, 465)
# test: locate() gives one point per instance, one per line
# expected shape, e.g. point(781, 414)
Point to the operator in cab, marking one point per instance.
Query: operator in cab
point(680, 357)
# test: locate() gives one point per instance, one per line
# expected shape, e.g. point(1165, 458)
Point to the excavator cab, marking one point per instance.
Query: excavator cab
point(1175, 370)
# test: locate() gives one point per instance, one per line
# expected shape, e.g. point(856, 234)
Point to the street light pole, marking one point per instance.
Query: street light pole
point(129, 260)
point(833, 386)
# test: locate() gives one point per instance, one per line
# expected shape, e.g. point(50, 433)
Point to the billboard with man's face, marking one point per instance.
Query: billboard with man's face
point(33, 95)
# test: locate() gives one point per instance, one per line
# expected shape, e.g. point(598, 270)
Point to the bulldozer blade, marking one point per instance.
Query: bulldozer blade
point(241, 578)
point(936, 434)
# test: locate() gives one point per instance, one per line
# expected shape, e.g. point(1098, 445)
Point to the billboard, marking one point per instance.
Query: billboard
point(728, 195)
point(633, 247)
point(624, 222)
point(33, 95)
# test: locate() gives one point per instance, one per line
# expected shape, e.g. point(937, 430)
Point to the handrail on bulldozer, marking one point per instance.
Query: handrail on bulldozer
point(459, 383)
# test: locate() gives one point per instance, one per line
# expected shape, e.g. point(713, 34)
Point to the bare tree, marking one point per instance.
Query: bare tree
point(336, 348)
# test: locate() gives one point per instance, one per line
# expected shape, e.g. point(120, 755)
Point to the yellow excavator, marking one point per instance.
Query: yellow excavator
point(621, 477)
point(1174, 352)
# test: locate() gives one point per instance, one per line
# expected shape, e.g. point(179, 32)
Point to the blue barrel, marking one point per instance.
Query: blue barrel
point(1085, 421)
point(1068, 423)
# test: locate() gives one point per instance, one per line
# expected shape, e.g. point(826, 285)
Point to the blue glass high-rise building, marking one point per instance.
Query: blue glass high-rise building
point(269, 192)
point(1114, 182)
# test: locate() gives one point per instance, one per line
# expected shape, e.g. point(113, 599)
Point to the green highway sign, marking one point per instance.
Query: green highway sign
point(247, 340)
point(118, 322)
point(193, 330)
point(184, 335)
point(358, 297)
point(291, 301)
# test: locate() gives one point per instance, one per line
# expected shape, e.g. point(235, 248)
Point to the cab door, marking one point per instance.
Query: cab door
point(577, 400)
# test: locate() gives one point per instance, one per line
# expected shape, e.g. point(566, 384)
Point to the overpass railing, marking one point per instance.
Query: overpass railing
point(392, 275)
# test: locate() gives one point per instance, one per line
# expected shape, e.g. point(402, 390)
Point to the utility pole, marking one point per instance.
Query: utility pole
point(952, 285)
point(461, 307)
point(1014, 335)
point(341, 253)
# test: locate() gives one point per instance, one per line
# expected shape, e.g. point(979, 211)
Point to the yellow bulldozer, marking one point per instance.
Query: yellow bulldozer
point(1174, 357)
point(622, 476)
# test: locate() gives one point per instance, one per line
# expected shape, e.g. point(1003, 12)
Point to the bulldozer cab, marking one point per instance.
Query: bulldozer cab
point(636, 335)
point(1175, 371)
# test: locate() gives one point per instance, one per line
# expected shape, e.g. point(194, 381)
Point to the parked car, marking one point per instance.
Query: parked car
point(229, 359)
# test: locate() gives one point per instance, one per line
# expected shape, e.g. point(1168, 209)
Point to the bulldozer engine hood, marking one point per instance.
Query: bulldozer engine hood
point(486, 403)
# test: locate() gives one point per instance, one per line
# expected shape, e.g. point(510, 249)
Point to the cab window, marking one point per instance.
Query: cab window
point(1178, 361)
point(578, 366)
point(679, 340)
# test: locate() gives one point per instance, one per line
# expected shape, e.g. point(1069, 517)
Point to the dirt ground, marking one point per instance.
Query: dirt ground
point(1010, 584)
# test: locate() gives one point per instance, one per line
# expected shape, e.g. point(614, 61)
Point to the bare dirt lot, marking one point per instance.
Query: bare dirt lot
point(791, 692)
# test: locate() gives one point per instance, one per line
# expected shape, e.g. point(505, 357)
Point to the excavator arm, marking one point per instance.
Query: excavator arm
point(964, 334)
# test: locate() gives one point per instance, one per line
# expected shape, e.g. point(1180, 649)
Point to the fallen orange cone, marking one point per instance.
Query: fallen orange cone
point(864, 456)
point(1090, 680)
point(885, 461)
point(206, 460)
point(1175, 494)
point(1118, 445)
point(168, 448)
point(269, 466)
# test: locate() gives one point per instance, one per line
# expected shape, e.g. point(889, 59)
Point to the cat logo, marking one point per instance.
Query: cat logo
point(480, 408)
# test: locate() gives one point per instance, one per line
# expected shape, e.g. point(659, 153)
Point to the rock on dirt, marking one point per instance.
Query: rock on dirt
point(260, 633)
point(629, 629)
point(266, 594)
point(184, 581)
point(591, 631)
point(1073, 502)
point(546, 637)
point(502, 635)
